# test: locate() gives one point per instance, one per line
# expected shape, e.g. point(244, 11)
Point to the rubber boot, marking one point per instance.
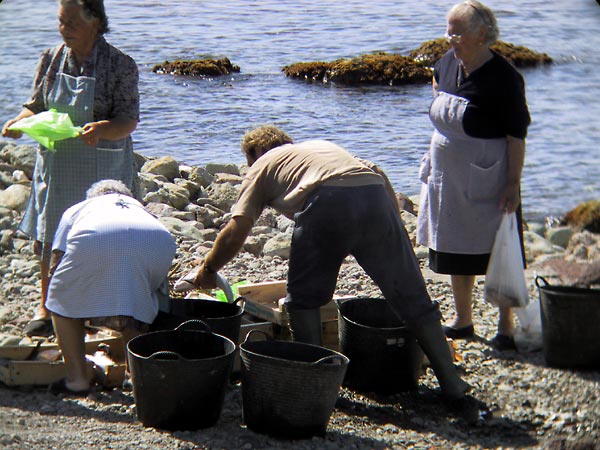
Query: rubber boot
point(305, 325)
point(432, 340)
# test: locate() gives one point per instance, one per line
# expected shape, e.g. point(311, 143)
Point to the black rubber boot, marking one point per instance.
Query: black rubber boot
point(432, 340)
point(305, 325)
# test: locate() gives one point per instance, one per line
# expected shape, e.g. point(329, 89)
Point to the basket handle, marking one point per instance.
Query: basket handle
point(264, 333)
point(334, 359)
point(165, 355)
point(537, 281)
point(194, 325)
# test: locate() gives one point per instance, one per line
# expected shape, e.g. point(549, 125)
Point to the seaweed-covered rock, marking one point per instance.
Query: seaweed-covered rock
point(431, 51)
point(197, 67)
point(584, 216)
point(313, 71)
point(374, 68)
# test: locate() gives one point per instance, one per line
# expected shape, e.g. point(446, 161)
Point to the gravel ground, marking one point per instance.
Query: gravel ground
point(516, 401)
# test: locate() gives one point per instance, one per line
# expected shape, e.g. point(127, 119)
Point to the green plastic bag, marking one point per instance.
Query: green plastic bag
point(220, 294)
point(48, 127)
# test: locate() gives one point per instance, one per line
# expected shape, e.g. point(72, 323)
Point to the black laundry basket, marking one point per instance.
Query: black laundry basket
point(570, 325)
point(289, 389)
point(179, 377)
point(385, 357)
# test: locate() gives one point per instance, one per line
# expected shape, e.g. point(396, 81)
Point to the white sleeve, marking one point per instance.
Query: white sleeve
point(64, 226)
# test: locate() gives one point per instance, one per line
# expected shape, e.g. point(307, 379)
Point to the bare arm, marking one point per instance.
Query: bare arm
point(16, 134)
point(110, 130)
point(55, 260)
point(510, 196)
point(228, 243)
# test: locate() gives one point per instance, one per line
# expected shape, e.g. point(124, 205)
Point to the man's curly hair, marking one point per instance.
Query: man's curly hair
point(263, 139)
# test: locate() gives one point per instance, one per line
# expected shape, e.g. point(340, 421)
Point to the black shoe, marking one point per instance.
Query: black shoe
point(60, 387)
point(459, 333)
point(39, 327)
point(503, 342)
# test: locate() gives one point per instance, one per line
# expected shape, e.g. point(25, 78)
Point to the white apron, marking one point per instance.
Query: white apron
point(61, 178)
point(462, 179)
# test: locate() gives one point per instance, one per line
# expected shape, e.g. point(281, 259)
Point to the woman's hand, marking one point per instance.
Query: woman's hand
point(92, 133)
point(110, 130)
point(13, 134)
point(510, 198)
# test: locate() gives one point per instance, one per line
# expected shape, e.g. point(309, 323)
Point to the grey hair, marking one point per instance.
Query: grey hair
point(90, 9)
point(104, 187)
point(478, 16)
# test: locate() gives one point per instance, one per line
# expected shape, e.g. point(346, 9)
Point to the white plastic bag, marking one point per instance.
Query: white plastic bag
point(505, 277)
point(528, 336)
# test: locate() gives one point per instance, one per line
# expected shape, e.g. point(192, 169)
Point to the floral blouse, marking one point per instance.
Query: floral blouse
point(116, 88)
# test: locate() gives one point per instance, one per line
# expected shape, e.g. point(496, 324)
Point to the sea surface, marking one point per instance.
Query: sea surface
point(198, 121)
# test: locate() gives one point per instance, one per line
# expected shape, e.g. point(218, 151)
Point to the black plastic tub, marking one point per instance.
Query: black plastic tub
point(179, 377)
point(289, 389)
point(222, 318)
point(384, 356)
point(570, 325)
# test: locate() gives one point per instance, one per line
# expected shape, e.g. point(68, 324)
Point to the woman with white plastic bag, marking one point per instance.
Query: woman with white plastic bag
point(471, 174)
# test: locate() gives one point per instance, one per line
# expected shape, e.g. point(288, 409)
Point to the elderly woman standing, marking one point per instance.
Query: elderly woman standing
point(97, 85)
point(472, 171)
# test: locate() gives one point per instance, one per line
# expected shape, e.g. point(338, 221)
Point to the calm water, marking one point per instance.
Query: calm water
point(199, 121)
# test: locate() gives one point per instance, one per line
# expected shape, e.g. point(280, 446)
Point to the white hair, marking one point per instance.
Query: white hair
point(477, 15)
point(104, 187)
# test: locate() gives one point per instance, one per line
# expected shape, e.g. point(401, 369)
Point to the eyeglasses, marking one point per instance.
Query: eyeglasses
point(453, 38)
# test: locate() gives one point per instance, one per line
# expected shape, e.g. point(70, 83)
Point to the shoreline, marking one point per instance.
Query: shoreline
point(527, 403)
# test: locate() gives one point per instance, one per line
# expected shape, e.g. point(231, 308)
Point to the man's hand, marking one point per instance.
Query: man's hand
point(206, 279)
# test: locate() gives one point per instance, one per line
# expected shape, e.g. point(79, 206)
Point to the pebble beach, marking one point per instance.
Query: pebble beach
point(517, 400)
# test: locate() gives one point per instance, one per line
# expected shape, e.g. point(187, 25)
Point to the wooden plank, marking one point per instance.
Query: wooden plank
point(26, 350)
point(266, 292)
point(18, 373)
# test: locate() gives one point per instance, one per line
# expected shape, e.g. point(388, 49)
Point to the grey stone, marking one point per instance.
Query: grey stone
point(278, 245)
point(177, 196)
point(224, 195)
point(194, 189)
point(188, 230)
point(21, 157)
point(200, 176)
point(166, 166)
point(255, 244)
point(559, 236)
point(214, 168)
point(15, 197)
point(228, 178)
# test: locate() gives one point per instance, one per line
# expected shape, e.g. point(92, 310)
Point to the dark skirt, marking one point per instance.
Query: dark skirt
point(468, 264)
point(458, 264)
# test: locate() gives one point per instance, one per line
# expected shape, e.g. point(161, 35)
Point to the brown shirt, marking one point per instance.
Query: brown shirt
point(284, 177)
point(116, 88)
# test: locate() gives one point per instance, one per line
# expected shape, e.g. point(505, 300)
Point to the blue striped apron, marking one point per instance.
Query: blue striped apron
point(61, 178)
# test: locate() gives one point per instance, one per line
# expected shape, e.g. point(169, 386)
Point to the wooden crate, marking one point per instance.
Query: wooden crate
point(24, 364)
point(265, 301)
point(19, 373)
point(27, 349)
